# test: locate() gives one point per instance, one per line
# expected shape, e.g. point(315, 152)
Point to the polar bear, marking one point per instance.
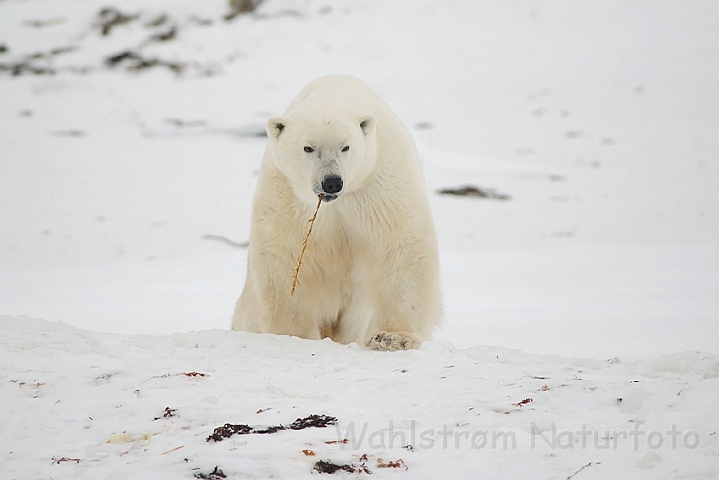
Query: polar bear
point(370, 273)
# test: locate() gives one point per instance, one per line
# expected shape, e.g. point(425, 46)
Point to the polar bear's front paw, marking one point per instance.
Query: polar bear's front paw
point(393, 341)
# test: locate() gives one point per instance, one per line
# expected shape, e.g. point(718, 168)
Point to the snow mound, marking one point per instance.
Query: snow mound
point(81, 403)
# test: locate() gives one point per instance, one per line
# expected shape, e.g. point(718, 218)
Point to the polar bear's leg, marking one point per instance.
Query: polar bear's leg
point(408, 300)
point(401, 326)
point(269, 312)
point(287, 317)
point(248, 311)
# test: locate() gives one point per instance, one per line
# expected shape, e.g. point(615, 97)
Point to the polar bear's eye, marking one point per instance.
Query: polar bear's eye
point(309, 149)
point(347, 147)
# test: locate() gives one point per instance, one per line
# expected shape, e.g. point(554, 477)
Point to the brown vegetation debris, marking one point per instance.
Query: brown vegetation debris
point(169, 412)
point(228, 429)
point(110, 17)
point(216, 474)
point(473, 191)
point(396, 464)
point(332, 442)
point(324, 466)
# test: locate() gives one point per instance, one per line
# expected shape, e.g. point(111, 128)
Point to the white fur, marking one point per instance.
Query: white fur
point(370, 273)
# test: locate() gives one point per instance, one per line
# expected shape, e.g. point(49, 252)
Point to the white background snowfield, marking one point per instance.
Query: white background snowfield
point(581, 332)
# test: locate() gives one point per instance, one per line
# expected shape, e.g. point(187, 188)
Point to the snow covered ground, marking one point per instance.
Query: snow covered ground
point(482, 412)
point(124, 201)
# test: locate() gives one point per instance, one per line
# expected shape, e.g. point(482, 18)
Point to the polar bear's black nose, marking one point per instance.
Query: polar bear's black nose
point(332, 184)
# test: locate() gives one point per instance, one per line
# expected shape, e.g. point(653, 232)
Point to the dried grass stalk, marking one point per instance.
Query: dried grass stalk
point(296, 274)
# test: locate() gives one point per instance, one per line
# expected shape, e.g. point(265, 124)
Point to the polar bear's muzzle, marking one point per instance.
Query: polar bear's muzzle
point(331, 187)
point(327, 176)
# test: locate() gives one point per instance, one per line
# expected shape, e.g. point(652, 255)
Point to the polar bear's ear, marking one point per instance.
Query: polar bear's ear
point(367, 123)
point(275, 126)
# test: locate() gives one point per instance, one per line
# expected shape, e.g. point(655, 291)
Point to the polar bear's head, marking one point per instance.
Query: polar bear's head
point(328, 154)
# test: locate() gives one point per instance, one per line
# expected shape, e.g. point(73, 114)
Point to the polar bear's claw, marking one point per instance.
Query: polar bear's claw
point(393, 341)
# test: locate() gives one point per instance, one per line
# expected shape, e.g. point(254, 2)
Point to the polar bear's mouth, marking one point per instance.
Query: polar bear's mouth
point(328, 198)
